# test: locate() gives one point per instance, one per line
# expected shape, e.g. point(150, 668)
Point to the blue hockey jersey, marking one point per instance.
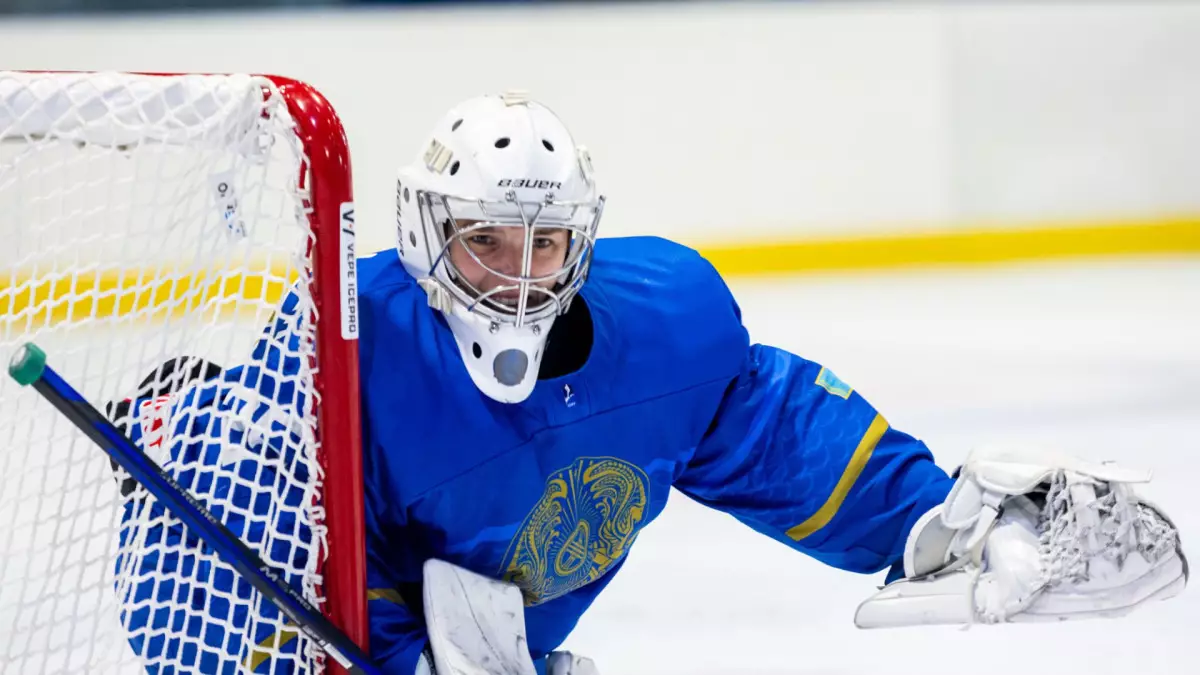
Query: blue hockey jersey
point(552, 492)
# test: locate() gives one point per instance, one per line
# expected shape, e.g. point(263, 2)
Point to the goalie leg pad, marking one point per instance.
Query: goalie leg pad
point(476, 624)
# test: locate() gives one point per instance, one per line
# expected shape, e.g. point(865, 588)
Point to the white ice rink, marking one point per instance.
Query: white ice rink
point(1102, 359)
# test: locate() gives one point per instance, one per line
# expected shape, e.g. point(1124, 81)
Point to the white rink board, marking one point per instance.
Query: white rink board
point(722, 122)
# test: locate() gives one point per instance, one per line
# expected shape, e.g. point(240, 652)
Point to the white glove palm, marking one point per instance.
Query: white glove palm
point(1027, 535)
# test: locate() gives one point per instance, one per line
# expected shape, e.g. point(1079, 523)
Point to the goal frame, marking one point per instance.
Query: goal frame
point(327, 175)
point(339, 430)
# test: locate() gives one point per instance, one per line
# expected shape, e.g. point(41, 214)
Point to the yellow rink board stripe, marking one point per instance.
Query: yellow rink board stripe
point(961, 247)
point(161, 292)
point(50, 296)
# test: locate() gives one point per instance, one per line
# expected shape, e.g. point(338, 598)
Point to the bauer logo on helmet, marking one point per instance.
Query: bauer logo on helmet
point(530, 183)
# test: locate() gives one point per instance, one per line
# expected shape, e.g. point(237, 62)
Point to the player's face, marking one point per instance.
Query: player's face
point(501, 249)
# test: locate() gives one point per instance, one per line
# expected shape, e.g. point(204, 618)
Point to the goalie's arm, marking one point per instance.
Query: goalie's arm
point(798, 455)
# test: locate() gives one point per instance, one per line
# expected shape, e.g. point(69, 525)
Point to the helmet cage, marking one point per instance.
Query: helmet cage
point(440, 214)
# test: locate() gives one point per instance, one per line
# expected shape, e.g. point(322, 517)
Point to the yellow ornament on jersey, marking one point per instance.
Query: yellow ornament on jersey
point(582, 526)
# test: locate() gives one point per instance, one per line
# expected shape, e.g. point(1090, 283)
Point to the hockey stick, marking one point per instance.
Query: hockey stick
point(28, 367)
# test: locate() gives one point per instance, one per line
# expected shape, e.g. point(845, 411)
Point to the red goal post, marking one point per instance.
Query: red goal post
point(321, 133)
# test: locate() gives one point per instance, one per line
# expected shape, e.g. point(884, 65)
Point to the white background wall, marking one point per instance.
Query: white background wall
point(722, 122)
point(1074, 109)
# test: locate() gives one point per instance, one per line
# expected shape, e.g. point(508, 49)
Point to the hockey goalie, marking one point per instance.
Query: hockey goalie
point(532, 394)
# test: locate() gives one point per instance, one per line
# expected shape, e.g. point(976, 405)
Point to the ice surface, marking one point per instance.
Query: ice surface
point(1101, 359)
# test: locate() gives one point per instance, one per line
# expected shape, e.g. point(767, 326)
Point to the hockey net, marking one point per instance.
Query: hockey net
point(145, 218)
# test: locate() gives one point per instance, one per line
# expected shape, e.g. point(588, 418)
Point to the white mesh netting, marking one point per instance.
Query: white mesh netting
point(145, 218)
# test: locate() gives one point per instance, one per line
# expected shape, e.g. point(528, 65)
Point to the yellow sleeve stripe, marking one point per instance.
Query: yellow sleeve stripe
point(389, 594)
point(263, 650)
point(858, 461)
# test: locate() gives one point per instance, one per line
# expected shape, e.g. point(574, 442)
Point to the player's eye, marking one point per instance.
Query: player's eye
point(550, 238)
point(482, 240)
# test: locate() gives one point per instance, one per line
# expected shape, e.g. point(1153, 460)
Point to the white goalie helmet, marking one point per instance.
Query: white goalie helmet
point(502, 170)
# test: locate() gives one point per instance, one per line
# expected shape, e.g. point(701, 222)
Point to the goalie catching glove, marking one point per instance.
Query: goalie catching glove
point(1028, 536)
